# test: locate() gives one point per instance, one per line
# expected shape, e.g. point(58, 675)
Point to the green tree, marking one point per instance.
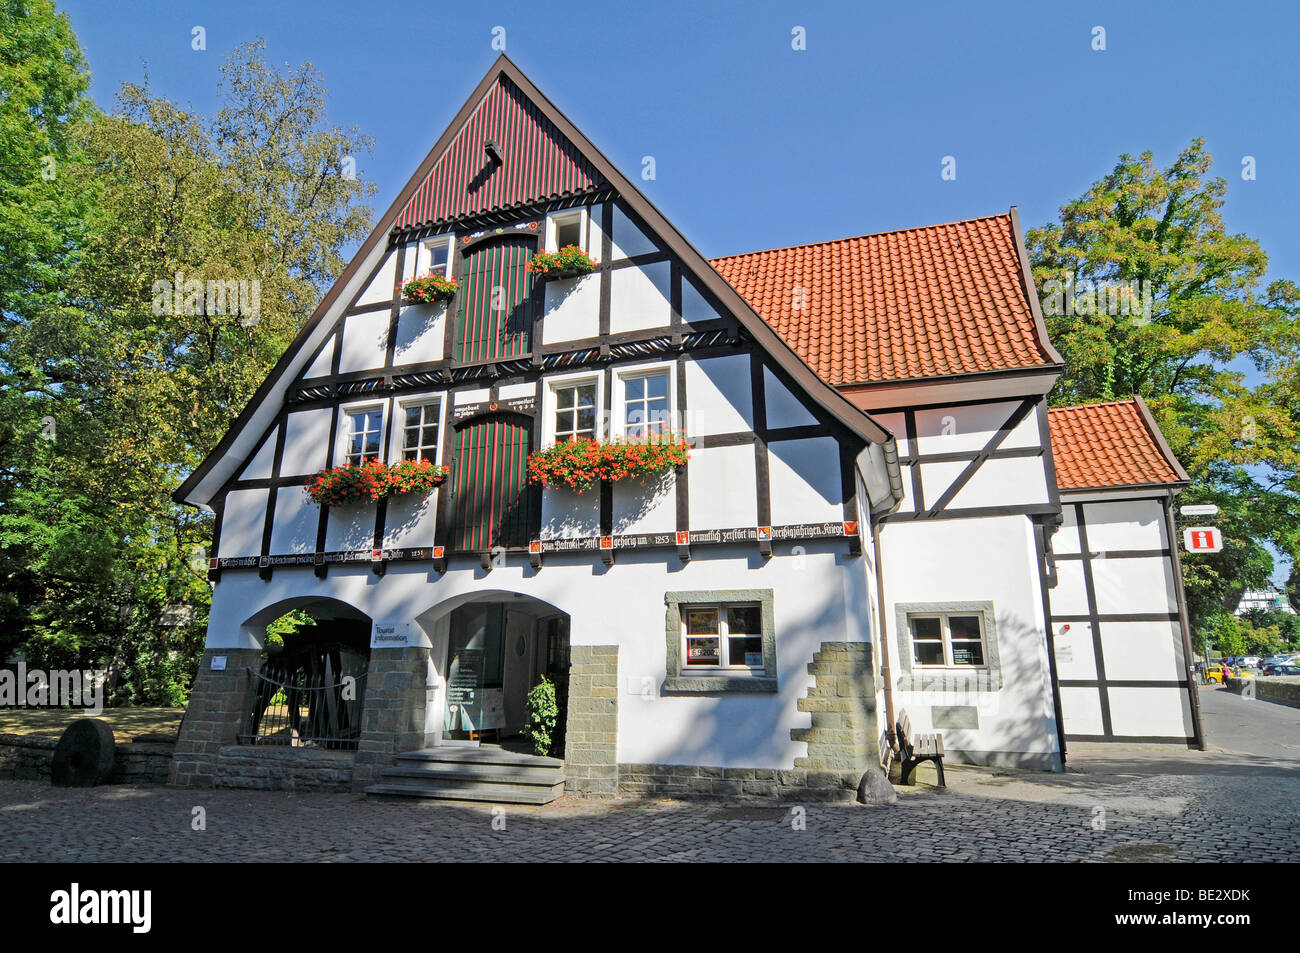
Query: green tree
point(138, 379)
point(1145, 292)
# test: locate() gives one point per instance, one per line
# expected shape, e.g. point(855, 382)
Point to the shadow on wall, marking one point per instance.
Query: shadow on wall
point(1020, 713)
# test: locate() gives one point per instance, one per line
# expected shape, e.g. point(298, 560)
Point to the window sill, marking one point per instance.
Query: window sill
point(715, 684)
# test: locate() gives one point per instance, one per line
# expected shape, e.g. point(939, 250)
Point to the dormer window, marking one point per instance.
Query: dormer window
point(566, 228)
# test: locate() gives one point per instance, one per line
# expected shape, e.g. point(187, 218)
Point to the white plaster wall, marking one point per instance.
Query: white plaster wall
point(572, 309)
point(1015, 480)
point(719, 395)
point(365, 342)
point(411, 521)
point(421, 333)
point(1075, 656)
point(952, 429)
point(513, 391)
point(1070, 597)
point(640, 298)
point(296, 521)
point(259, 468)
point(804, 478)
point(567, 514)
point(991, 560)
point(629, 240)
point(1134, 585)
point(723, 493)
point(783, 408)
point(1081, 711)
point(320, 365)
point(1150, 712)
point(645, 506)
point(1125, 524)
point(1142, 651)
point(815, 599)
point(474, 396)
point(350, 527)
point(1066, 539)
point(695, 307)
point(306, 442)
point(242, 522)
point(381, 287)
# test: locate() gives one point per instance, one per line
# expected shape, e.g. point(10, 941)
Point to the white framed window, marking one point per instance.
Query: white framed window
point(566, 228)
point(947, 639)
point(722, 638)
point(361, 434)
point(435, 256)
point(419, 421)
point(573, 406)
point(644, 402)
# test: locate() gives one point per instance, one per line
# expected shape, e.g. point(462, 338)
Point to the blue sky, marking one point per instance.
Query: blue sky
point(757, 145)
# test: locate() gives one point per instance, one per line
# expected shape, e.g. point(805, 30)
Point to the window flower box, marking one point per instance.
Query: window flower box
point(581, 463)
point(374, 480)
point(569, 262)
point(426, 289)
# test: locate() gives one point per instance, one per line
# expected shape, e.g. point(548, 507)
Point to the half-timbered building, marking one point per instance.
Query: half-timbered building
point(863, 523)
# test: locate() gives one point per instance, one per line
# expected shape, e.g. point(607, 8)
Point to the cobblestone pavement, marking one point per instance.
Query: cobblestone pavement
point(1157, 818)
point(1113, 805)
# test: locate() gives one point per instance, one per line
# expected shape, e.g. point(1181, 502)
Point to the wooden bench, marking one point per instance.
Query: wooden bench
point(912, 752)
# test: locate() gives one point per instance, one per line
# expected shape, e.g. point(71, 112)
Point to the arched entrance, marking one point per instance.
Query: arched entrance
point(492, 649)
point(308, 689)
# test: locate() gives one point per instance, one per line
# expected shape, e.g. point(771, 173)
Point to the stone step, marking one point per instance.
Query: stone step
point(484, 754)
point(493, 793)
point(486, 773)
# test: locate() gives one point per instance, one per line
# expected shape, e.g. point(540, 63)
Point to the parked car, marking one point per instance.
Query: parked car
point(1284, 670)
point(1249, 660)
point(1216, 673)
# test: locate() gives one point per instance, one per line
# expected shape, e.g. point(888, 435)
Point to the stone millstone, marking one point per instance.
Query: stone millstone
point(84, 755)
point(874, 788)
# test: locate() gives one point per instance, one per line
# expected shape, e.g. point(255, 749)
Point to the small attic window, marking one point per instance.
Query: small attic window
point(435, 255)
point(565, 228)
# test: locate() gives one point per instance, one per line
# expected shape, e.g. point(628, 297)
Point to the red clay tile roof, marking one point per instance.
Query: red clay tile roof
point(1113, 444)
point(921, 302)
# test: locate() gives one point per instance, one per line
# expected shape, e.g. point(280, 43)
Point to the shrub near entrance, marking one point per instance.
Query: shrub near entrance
point(543, 716)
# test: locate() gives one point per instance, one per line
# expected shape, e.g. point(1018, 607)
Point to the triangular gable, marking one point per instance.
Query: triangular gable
point(533, 162)
point(206, 481)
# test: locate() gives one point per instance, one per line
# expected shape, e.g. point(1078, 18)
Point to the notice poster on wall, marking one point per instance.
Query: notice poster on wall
point(465, 691)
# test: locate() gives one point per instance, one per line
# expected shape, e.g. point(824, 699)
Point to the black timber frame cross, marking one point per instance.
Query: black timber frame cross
point(995, 441)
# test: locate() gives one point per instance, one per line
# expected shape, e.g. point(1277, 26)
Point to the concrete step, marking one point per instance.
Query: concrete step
point(484, 754)
point(485, 773)
point(493, 793)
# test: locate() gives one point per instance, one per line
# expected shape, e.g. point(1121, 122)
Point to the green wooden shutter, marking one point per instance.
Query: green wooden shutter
point(488, 329)
point(492, 499)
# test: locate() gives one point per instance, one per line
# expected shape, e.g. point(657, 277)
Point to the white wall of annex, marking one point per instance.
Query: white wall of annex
point(991, 559)
point(1125, 525)
point(953, 429)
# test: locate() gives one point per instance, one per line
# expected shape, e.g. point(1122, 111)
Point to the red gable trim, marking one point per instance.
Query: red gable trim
point(535, 163)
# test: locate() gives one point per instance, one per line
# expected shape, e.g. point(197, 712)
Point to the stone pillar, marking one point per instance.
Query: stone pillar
point(845, 736)
point(591, 731)
point(394, 712)
point(219, 702)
